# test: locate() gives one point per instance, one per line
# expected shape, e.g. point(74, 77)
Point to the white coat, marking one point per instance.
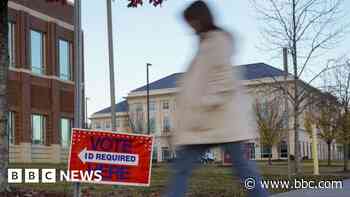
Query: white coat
point(212, 106)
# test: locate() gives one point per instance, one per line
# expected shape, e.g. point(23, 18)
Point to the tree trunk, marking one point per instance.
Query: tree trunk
point(296, 98)
point(296, 142)
point(4, 64)
point(346, 155)
point(346, 140)
point(329, 153)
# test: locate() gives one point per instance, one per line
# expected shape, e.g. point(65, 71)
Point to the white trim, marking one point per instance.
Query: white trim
point(259, 81)
point(153, 92)
point(108, 115)
point(41, 76)
point(40, 15)
point(175, 90)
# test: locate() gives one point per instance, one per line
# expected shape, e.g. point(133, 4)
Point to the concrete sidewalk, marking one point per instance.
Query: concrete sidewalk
point(344, 192)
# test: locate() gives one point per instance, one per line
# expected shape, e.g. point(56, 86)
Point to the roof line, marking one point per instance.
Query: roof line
point(134, 90)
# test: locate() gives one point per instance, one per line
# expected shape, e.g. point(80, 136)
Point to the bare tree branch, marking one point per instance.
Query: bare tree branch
point(306, 27)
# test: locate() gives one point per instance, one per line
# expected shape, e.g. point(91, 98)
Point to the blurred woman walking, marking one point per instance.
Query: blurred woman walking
point(212, 106)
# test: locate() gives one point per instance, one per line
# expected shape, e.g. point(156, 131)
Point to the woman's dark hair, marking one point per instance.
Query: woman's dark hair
point(200, 11)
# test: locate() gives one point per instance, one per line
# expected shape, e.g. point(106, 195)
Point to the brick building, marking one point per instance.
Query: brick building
point(41, 84)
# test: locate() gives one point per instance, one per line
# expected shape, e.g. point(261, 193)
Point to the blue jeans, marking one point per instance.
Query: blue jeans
point(186, 159)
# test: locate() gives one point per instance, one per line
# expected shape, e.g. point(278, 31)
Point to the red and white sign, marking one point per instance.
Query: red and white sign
point(123, 158)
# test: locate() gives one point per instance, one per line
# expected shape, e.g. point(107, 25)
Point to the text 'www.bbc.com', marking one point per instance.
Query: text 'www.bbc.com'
point(251, 183)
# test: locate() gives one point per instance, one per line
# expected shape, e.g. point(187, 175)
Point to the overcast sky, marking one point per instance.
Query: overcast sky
point(159, 36)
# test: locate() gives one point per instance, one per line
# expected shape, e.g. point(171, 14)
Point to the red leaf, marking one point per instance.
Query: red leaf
point(136, 3)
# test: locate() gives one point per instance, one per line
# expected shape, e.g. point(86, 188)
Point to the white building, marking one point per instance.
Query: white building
point(131, 114)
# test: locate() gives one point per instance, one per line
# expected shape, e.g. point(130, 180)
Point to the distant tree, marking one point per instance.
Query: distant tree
point(339, 86)
point(328, 127)
point(306, 28)
point(327, 122)
point(308, 123)
point(344, 137)
point(136, 3)
point(269, 117)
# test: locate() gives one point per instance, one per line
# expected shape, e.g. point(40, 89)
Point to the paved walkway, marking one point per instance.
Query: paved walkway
point(344, 192)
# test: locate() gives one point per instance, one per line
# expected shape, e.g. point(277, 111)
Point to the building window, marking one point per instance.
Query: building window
point(152, 124)
point(11, 127)
point(155, 153)
point(266, 151)
point(152, 106)
point(37, 55)
point(65, 60)
point(38, 129)
point(118, 123)
point(166, 155)
point(340, 151)
point(165, 105)
point(65, 132)
point(250, 150)
point(285, 121)
point(97, 125)
point(139, 126)
point(11, 44)
point(108, 124)
point(152, 118)
point(138, 107)
point(139, 120)
point(263, 103)
point(283, 149)
point(166, 124)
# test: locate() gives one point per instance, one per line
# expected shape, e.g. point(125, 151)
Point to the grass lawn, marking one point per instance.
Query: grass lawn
point(206, 181)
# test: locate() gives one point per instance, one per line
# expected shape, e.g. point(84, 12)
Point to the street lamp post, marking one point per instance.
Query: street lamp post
point(148, 121)
point(111, 64)
point(86, 114)
point(78, 98)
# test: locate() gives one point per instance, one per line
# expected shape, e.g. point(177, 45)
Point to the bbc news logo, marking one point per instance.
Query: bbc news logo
point(16, 175)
